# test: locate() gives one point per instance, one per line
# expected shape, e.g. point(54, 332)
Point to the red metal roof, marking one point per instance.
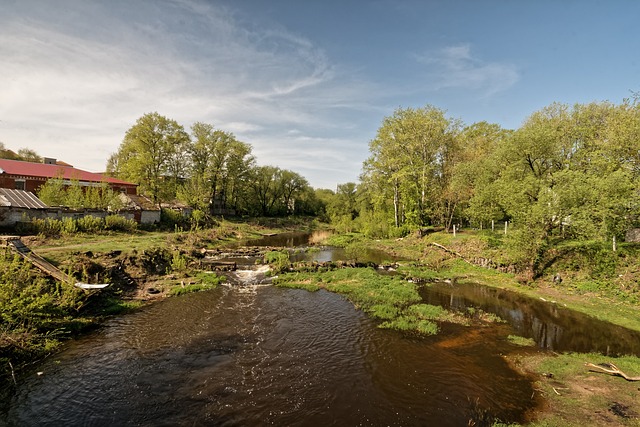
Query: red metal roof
point(16, 167)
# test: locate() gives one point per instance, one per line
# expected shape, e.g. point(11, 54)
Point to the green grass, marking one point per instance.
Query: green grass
point(207, 280)
point(390, 299)
point(344, 240)
point(521, 341)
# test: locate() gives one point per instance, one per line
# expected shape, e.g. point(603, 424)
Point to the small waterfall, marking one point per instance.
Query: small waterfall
point(250, 275)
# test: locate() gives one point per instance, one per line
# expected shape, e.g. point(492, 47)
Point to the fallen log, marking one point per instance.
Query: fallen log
point(454, 253)
point(611, 369)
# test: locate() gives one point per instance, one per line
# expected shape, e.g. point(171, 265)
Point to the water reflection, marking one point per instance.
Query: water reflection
point(552, 326)
point(266, 357)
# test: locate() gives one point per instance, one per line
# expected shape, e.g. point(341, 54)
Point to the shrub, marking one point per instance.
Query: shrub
point(178, 262)
point(90, 224)
point(120, 223)
point(277, 260)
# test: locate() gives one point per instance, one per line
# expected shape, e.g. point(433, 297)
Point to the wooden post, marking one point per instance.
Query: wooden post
point(493, 226)
point(615, 246)
point(454, 230)
point(506, 225)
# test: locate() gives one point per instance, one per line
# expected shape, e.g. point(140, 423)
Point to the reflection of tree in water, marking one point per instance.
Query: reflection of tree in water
point(552, 327)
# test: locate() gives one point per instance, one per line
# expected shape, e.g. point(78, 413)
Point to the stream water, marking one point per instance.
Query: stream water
point(251, 354)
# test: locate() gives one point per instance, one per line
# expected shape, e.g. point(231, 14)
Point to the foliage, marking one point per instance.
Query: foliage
point(210, 278)
point(206, 280)
point(219, 165)
point(521, 341)
point(120, 223)
point(277, 260)
point(566, 173)
point(55, 192)
point(210, 170)
point(153, 155)
point(34, 313)
point(178, 262)
point(86, 224)
point(390, 299)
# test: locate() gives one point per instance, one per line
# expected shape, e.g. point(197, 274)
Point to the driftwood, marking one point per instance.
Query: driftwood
point(454, 253)
point(611, 369)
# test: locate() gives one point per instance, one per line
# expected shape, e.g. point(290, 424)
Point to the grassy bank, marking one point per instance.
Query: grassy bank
point(594, 279)
point(37, 313)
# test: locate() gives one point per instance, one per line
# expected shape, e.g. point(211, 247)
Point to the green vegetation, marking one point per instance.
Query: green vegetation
point(521, 341)
point(391, 299)
point(35, 314)
point(568, 175)
point(87, 224)
point(277, 260)
point(55, 192)
point(38, 313)
point(207, 280)
point(222, 174)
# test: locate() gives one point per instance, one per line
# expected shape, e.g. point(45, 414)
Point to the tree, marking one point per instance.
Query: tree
point(265, 190)
point(29, 155)
point(411, 163)
point(220, 163)
point(152, 155)
point(476, 171)
point(293, 187)
point(564, 172)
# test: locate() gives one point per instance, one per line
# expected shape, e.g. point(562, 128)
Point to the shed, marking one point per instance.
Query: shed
point(142, 209)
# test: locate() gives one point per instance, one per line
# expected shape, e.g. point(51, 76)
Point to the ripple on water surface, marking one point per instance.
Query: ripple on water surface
point(267, 357)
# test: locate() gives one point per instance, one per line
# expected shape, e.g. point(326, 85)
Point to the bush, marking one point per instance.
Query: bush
point(277, 260)
point(178, 262)
point(90, 224)
point(120, 223)
point(33, 311)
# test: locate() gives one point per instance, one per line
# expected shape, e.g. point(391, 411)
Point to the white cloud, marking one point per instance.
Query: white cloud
point(456, 67)
point(77, 74)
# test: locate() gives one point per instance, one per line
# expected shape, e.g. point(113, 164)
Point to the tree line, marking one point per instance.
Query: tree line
point(208, 169)
point(567, 172)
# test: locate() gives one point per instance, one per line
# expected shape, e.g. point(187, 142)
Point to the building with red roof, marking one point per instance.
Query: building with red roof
point(28, 176)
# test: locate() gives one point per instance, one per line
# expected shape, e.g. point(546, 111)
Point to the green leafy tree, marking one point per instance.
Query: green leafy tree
point(563, 174)
point(53, 192)
point(265, 190)
point(220, 166)
point(411, 165)
point(152, 155)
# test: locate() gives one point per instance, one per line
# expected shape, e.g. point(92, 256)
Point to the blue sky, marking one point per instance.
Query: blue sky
point(306, 83)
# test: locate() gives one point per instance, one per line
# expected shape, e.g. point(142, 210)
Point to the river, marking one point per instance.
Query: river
point(251, 355)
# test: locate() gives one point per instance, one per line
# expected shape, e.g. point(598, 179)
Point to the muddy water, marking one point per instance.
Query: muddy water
point(244, 356)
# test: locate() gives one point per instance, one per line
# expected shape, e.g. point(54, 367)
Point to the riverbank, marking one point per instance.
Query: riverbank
point(38, 313)
point(574, 278)
point(574, 394)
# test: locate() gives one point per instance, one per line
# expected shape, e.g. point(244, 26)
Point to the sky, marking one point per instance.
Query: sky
point(306, 83)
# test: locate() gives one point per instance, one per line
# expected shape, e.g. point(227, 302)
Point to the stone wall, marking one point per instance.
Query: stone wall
point(10, 216)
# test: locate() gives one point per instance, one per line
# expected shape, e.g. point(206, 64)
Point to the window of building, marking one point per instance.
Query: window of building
point(20, 184)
